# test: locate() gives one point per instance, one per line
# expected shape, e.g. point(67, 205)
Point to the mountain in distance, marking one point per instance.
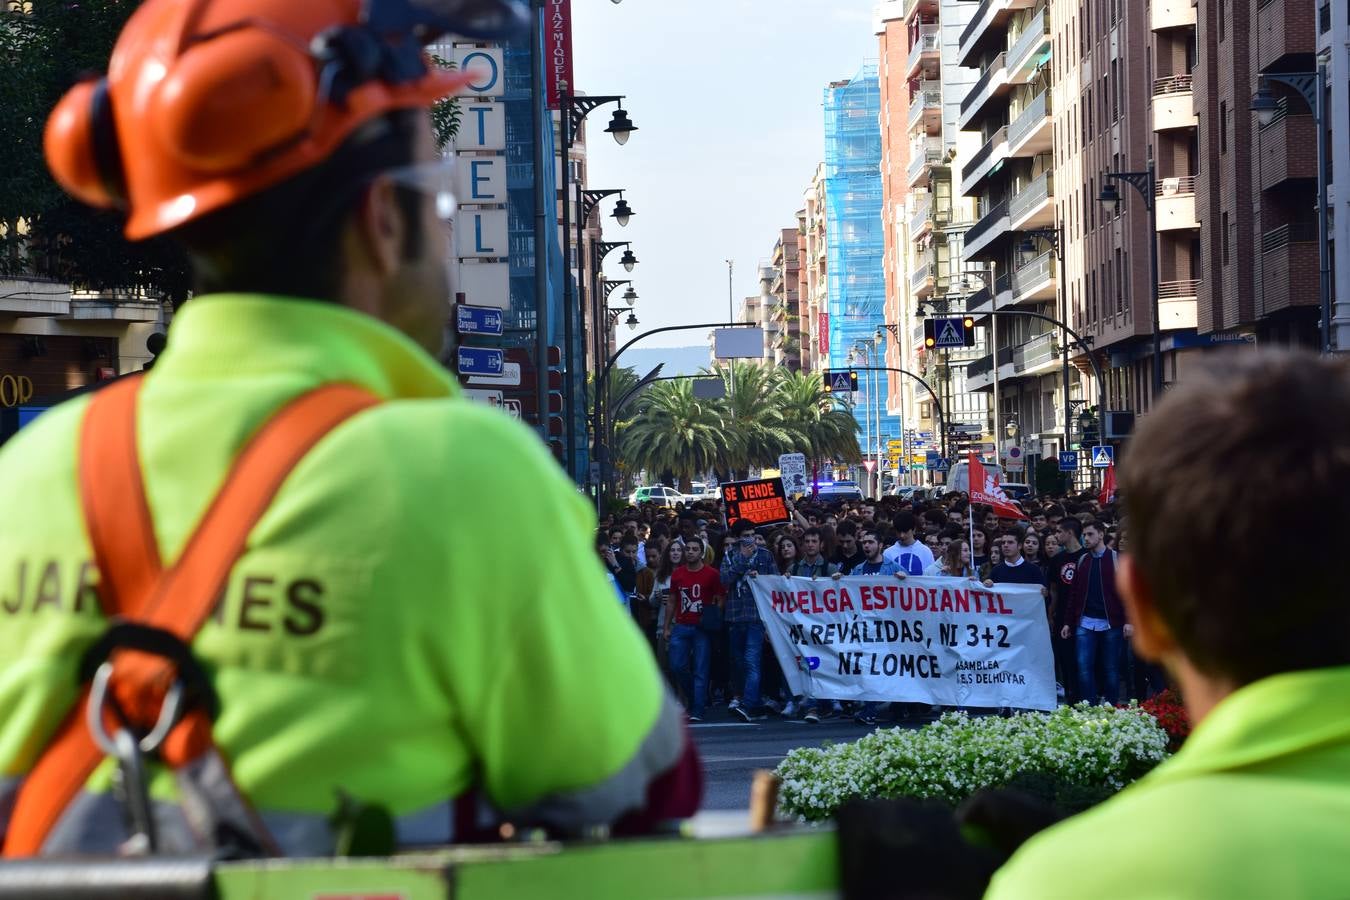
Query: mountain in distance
point(676, 360)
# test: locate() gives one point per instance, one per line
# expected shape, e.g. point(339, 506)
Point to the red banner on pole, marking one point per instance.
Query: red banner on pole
point(558, 50)
point(823, 333)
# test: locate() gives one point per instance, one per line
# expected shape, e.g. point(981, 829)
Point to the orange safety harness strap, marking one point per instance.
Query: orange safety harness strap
point(135, 587)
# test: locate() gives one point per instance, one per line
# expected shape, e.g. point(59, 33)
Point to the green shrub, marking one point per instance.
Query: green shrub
point(1080, 753)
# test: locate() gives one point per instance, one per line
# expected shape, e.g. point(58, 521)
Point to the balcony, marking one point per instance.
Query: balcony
point(922, 279)
point(992, 83)
point(922, 220)
point(1032, 207)
point(1031, 49)
point(915, 7)
point(1176, 303)
point(1284, 30)
point(1173, 103)
point(926, 54)
point(1176, 203)
point(991, 227)
point(926, 107)
point(980, 373)
point(923, 156)
point(982, 28)
point(1287, 147)
point(1037, 356)
point(1034, 282)
point(1288, 268)
point(1033, 131)
point(994, 152)
point(1172, 14)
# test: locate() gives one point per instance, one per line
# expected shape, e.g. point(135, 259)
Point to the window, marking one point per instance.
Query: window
point(1223, 126)
point(1120, 283)
point(1223, 17)
point(1115, 91)
point(1223, 239)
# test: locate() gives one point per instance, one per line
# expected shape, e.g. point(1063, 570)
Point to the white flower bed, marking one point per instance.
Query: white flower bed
point(958, 755)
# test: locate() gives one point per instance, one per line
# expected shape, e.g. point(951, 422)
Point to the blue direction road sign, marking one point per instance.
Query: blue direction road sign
point(931, 460)
point(478, 320)
point(1103, 456)
point(479, 361)
point(944, 465)
point(1068, 461)
point(948, 333)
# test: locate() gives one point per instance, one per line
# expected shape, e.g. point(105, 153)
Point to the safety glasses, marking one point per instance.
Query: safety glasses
point(435, 179)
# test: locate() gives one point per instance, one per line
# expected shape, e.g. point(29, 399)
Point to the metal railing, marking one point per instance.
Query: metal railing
point(1176, 290)
point(1033, 275)
point(1031, 196)
point(1173, 84)
point(930, 41)
point(1036, 352)
point(1176, 185)
point(976, 22)
point(928, 96)
point(921, 216)
point(984, 153)
point(1293, 233)
point(1036, 112)
point(973, 97)
point(987, 222)
point(1036, 33)
point(922, 155)
point(920, 275)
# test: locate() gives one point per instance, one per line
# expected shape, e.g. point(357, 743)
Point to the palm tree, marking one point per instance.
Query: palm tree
point(822, 425)
point(756, 433)
point(673, 432)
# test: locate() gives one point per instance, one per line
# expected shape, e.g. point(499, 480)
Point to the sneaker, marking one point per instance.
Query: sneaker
point(770, 704)
point(747, 714)
point(864, 719)
point(695, 718)
point(789, 709)
point(812, 717)
point(735, 703)
point(1059, 689)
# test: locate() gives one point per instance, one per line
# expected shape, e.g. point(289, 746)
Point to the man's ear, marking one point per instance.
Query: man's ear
point(1152, 639)
point(380, 226)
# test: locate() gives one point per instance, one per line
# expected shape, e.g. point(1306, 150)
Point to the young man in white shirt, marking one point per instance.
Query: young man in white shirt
point(909, 555)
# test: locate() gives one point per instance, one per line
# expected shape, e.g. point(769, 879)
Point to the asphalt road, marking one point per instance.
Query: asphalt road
point(733, 749)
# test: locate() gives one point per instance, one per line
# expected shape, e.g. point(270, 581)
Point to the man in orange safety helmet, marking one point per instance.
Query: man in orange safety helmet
point(268, 598)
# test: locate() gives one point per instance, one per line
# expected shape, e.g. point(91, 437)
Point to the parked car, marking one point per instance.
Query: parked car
point(1016, 490)
point(958, 479)
point(912, 491)
point(658, 494)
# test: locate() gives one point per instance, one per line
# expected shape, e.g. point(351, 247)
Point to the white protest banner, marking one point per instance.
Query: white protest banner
point(947, 641)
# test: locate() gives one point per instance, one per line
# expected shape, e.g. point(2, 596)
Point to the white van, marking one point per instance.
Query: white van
point(958, 479)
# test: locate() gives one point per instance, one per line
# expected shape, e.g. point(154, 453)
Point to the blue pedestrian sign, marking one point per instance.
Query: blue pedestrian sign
point(479, 361)
point(1103, 456)
point(949, 334)
point(1068, 461)
point(944, 465)
point(478, 320)
point(841, 381)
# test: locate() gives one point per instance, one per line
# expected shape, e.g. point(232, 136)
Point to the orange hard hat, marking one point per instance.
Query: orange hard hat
point(207, 102)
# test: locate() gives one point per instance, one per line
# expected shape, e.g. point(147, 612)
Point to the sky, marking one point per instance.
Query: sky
point(727, 98)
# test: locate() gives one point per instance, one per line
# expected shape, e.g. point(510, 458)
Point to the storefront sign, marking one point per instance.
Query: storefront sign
point(946, 641)
point(558, 46)
point(15, 389)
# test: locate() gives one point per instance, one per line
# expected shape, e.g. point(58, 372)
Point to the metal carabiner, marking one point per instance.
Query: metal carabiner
point(98, 696)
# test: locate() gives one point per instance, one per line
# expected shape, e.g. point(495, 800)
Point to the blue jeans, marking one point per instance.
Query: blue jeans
point(1091, 644)
point(747, 650)
point(689, 644)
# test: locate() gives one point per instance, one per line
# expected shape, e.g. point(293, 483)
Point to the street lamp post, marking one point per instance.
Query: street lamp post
point(937, 401)
point(1312, 87)
point(573, 111)
point(1146, 183)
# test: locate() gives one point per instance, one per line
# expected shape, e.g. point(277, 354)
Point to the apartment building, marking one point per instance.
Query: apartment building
point(923, 89)
point(815, 269)
point(786, 290)
point(1258, 189)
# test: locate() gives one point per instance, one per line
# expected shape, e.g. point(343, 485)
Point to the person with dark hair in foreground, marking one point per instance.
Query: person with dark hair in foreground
point(1257, 801)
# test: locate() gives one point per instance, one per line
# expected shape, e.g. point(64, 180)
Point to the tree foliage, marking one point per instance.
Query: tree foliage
point(766, 412)
point(45, 47)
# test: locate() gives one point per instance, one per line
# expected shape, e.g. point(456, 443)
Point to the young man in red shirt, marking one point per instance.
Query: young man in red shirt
point(692, 586)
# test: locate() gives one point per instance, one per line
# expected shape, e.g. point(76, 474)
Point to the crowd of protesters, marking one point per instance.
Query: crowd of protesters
point(686, 579)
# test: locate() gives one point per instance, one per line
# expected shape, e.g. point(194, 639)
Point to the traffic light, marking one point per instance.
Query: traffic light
point(929, 333)
point(968, 330)
point(932, 327)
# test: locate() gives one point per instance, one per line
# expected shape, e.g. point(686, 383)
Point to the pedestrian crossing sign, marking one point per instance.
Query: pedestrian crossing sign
point(949, 333)
point(1103, 457)
point(841, 381)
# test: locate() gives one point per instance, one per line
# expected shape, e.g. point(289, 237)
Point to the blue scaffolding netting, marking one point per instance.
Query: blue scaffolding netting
point(854, 228)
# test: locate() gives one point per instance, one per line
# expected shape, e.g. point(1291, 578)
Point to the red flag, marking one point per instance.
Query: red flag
point(984, 488)
point(1108, 492)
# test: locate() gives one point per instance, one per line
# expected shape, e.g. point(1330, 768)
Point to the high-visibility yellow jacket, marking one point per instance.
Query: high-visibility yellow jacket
point(1256, 805)
point(419, 615)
